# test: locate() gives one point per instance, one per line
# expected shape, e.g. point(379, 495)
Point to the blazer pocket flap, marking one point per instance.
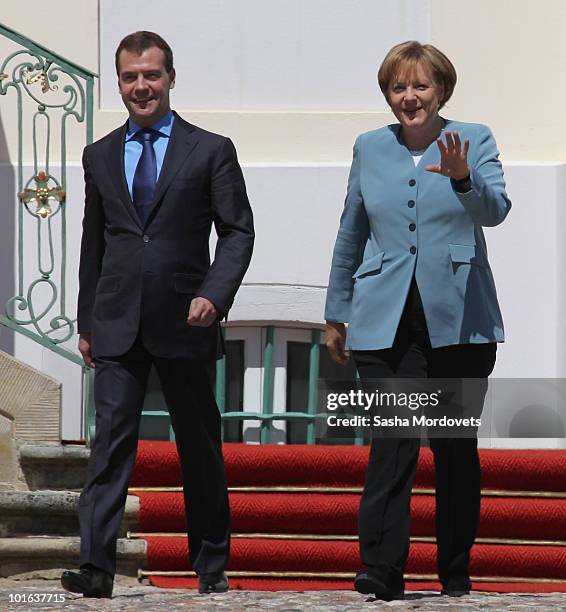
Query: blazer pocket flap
point(108, 284)
point(372, 264)
point(186, 283)
point(464, 253)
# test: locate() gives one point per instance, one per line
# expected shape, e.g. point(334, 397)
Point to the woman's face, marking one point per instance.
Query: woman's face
point(414, 98)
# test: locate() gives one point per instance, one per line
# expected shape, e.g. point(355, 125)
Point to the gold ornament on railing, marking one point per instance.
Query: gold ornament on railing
point(39, 76)
point(42, 195)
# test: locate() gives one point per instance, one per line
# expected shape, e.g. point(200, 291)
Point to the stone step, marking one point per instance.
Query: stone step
point(53, 466)
point(42, 554)
point(47, 513)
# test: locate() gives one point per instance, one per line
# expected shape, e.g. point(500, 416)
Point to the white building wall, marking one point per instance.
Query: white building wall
point(267, 54)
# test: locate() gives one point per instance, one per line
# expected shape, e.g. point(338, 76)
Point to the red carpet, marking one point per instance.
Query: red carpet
point(266, 584)
point(170, 554)
point(501, 517)
point(510, 517)
point(248, 464)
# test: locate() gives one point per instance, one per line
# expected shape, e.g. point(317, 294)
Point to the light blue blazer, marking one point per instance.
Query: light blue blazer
point(400, 220)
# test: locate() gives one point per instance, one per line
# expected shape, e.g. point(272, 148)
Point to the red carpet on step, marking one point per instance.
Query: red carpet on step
point(170, 553)
point(514, 516)
point(501, 517)
point(247, 464)
point(274, 584)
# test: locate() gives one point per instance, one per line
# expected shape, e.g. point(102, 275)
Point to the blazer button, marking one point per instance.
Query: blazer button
point(411, 203)
point(413, 250)
point(412, 183)
point(145, 238)
point(412, 227)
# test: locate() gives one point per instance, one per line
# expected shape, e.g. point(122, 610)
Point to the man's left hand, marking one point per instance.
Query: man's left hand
point(202, 312)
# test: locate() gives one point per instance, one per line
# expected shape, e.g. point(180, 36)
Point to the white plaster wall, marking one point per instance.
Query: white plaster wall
point(527, 257)
point(506, 53)
point(267, 54)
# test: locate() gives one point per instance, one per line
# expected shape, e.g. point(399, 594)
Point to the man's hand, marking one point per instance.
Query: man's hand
point(202, 312)
point(335, 340)
point(85, 350)
point(453, 157)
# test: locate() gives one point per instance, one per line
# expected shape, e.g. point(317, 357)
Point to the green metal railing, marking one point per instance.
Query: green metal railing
point(49, 92)
point(267, 417)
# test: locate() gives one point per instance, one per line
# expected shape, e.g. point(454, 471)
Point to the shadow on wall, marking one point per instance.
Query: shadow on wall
point(8, 231)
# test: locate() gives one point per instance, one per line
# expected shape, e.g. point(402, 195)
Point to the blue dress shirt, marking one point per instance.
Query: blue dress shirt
point(133, 147)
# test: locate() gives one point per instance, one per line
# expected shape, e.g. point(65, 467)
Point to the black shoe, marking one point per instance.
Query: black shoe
point(456, 587)
point(454, 592)
point(89, 581)
point(367, 582)
point(213, 583)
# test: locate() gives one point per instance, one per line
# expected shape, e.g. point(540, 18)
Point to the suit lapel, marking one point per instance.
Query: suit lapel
point(116, 173)
point(181, 144)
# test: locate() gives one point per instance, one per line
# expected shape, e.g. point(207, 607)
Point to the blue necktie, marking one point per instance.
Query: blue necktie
point(145, 176)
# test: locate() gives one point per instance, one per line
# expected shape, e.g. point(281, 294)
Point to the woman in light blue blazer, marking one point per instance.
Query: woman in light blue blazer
point(411, 278)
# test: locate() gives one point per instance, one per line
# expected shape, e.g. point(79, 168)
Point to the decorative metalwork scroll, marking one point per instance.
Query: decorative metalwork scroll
point(49, 91)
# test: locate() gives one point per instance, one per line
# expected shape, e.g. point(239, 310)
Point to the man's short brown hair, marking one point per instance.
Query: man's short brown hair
point(403, 58)
point(138, 42)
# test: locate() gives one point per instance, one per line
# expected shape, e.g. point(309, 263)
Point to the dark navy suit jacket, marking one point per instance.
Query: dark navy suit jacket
point(135, 278)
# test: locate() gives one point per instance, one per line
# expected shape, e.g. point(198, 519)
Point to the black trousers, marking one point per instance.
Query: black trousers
point(119, 390)
point(384, 516)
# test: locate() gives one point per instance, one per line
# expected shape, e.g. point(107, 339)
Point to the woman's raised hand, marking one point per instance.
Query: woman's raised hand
point(453, 157)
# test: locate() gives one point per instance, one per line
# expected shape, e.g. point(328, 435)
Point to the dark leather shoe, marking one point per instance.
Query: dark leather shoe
point(213, 583)
point(91, 582)
point(456, 587)
point(367, 582)
point(454, 592)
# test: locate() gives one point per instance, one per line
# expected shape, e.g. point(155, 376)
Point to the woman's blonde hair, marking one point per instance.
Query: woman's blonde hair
point(403, 59)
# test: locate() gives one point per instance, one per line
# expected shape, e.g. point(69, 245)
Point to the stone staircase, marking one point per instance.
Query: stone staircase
point(39, 532)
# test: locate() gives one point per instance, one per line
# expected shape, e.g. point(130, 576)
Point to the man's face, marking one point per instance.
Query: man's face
point(144, 85)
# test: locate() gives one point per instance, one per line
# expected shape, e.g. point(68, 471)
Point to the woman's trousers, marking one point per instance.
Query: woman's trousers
point(384, 516)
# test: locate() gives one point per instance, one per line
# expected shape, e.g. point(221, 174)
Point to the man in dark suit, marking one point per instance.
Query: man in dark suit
point(149, 295)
